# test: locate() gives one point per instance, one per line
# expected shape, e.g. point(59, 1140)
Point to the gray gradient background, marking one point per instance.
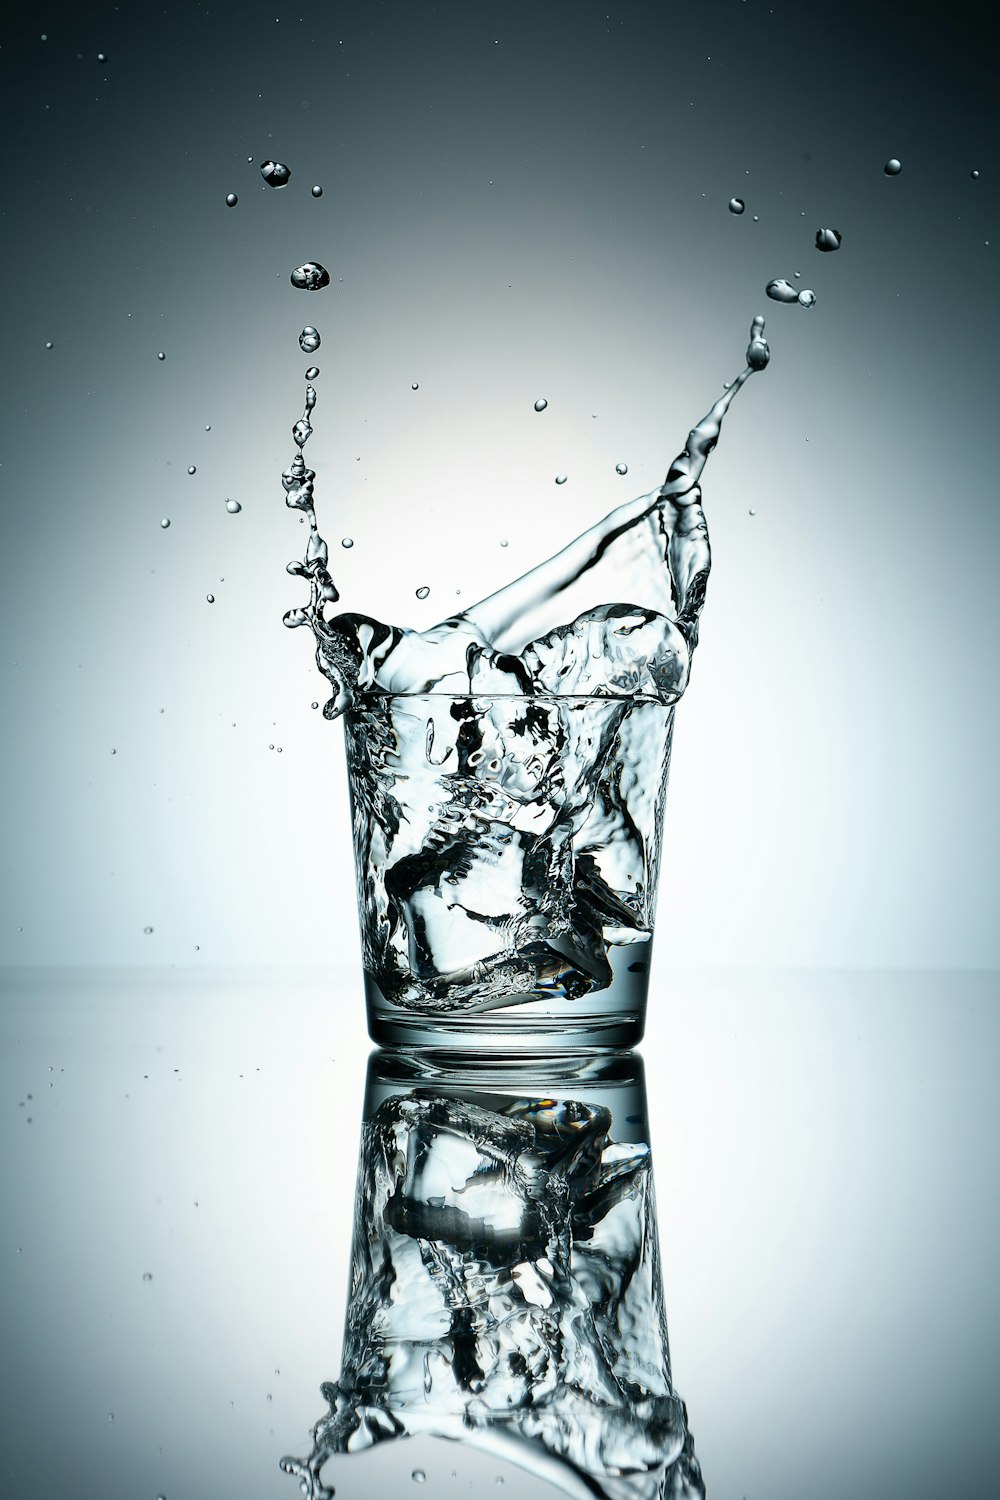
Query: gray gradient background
point(518, 201)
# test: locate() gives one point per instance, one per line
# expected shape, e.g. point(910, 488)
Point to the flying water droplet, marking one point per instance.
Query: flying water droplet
point(234, 507)
point(309, 340)
point(147, 1275)
point(312, 372)
point(49, 344)
point(423, 591)
point(974, 175)
point(758, 352)
point(210, 598)
point(314, 705)
point(102, 57)
point(418, 1476)
point(147, 931)
point(415, 386)
point(541, 404)
point(504, 542)
point(806, 298)
point(751, 511)
point(347, 541)
point(302, 432)
point(737, 206)
point(310, 277)
point(160, 354)
point(113, 751)
point(828, 239)
point(621, 468)
point(275, 173)
point(165, 522)
point(192, 469)
point(781, 290)
point(317, 191)
point(561, 478)
point(231, 200)
point(893, 167)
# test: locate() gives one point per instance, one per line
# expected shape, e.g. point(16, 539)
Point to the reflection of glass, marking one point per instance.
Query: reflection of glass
point(507, 856)
point(505, 1283)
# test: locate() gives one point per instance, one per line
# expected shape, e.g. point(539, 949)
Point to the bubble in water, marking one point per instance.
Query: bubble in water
point(192, 469)
point(160, 354)
point(781, 290)
point(737, 206)
point(147, 1275)
point(423, 591)
point(828, 239)
point(147, 931)
point(234, 507)
point(806, 298)
point(275, 173)
point(893, 167)
point(561, 478)
point(310, 277)
point(231, 200)
point(312, 372)
point(347, 541)
point(165, 522)
point(418, 1476)
point(974, 175)
point(210, 598)
point(541, 404)
point(621, 468)
point(317, 191)
point(309, 339)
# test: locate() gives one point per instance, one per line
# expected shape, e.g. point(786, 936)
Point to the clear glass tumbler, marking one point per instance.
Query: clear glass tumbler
point(507, 853)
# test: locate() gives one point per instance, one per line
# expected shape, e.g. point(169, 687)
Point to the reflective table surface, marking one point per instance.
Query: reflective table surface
point(180, 1163)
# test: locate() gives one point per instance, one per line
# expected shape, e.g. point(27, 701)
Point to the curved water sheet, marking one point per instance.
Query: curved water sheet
point(506, 1291)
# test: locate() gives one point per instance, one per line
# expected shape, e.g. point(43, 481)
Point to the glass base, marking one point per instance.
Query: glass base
point(613, 1017)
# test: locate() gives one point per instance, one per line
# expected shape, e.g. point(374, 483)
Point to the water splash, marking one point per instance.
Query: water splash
point(275, 173)
point(310, 277)
point(829, 240)
point(781, 290)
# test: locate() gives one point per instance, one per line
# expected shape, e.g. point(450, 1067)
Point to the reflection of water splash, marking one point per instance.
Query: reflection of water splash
point(652, 553)
point(506, 1288)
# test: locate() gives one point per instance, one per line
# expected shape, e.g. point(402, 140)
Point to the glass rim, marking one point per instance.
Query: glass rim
point(467, 697)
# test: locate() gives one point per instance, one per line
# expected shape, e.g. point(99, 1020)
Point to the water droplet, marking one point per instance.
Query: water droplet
point(347, 541)
point(310, 277)
point(102, 57)
point(756, 218)
point(192, 469)
point(302, 432)
point(314, 705)
point(828, 239)
point(423, 591)
point(147, 1275)
point(504, 542)
point(561, 479)
point(111, 1416)
point(234, 507)
point(160, 354)
point(415, 386)
point(208, 426)
point(317, 191)
point(275, 173)
point(541, 404)
point(147, 931)
point(269, 1396)
point(893, 167)
point(210, 598)
point(737, 206)
point(231, 200)
point(49, 344)
point(974, 175)
point(621, 468)
point(781, 290)
point(309, 340)
point(165, 522)
point(112, 751)
point(796, 274)
point(806, 298)
point(751, 511)
point(418, 1476)
point(758, 353)
point(312, 372)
